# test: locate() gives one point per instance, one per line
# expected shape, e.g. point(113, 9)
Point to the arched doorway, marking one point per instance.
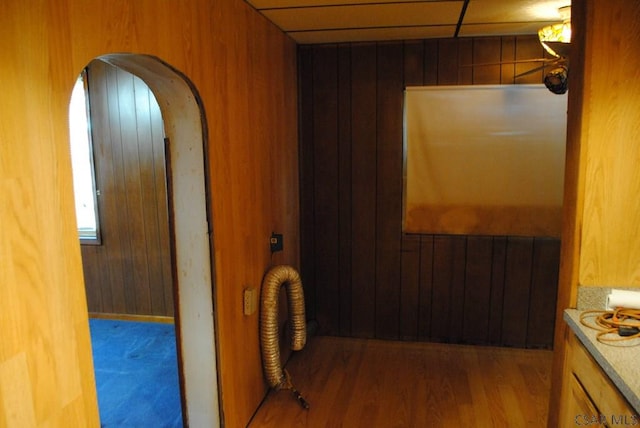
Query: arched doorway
point(192, 268)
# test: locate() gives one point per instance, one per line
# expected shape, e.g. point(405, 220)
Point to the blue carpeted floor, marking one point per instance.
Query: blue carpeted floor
point(136, 373)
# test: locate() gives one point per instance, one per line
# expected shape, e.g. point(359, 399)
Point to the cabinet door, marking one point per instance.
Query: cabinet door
point(580, 410)
point(604, 394)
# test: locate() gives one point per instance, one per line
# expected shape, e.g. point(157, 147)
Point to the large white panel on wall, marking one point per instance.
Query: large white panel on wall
point(484, 159)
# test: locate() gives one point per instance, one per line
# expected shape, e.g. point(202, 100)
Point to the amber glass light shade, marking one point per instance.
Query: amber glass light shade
point(555, 38)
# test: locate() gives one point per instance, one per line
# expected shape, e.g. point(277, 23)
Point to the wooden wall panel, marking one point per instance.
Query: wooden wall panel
point(600, 244)
point(409, 288)
point(252, 161)
point(477, 297)
point(527, 47)
point(542, 304)
point(426, 275)
point(486, 290)
point(363, 191)
point(306, 162)
point(447, 62)
point(487, 50)
point(515, 310)
point(388, 212)
point(344, 189)
point(130, 271)
point(610, 242)
point(507, 53)
point(243, 70)
point(498, 266)
point(447, 295)
point(431, 64)
point(410, 256)
point(326, 193)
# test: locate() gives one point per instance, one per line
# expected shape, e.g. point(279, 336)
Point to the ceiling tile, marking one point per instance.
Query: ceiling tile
point(328, 21)
point(281, 4)
point(366, 16)
point(373, 34)
point(501, 29)
point(501, 11)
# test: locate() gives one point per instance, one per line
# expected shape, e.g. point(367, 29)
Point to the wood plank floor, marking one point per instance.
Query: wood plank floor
point(370, 383)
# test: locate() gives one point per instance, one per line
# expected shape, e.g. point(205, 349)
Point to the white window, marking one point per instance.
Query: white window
point(84, 182)
point(484, 160)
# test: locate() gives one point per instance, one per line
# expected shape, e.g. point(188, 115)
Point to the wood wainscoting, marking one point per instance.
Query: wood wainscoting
point(363, 276)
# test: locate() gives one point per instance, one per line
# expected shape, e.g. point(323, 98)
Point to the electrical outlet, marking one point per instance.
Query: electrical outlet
point(276, 242)
point(249, 300)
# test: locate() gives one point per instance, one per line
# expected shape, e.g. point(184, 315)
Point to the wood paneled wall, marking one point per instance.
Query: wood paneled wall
point(601, 244)
point(130, 271)
point(244, 72)
point(365, 278)
point(610, 242)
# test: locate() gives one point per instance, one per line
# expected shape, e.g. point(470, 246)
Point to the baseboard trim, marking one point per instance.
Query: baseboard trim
point(131, 317)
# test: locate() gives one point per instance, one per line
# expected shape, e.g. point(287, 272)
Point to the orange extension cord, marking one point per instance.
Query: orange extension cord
point(623, 322)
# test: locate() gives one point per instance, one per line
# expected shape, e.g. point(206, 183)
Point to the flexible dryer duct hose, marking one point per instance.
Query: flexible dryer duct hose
point(275, 278)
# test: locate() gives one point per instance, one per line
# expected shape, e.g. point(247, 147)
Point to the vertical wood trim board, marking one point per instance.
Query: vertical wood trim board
point(365, 277)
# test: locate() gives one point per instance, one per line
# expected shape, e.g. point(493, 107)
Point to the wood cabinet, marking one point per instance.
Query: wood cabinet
point(592, 399)
point(580, 408)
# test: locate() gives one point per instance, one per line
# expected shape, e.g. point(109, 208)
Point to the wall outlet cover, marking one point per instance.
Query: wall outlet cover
point(249, 298)
point(276, 242)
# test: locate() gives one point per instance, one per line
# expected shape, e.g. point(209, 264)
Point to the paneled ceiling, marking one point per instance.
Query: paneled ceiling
point(334, 21)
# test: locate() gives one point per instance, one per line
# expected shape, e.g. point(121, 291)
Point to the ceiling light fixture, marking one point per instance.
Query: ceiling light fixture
point(557, 80)
point(556, 38)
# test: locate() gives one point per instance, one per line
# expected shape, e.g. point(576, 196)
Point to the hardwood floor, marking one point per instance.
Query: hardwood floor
point(370, 383)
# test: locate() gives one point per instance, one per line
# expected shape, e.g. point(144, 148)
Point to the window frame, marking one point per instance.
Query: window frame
point(89, 237)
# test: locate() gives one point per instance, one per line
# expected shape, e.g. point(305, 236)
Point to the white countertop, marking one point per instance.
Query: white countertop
point(621, 362)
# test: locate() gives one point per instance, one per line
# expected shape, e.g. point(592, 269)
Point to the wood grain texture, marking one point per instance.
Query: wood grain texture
point(498, 268)
point(425, 280)
point(128, 140)
point(591, 394)
point(365, 383)
point(307, 237)
point(389, 130)
point(409, 288)
point(363, 179)
point(517, 283)
point(326, 191)
point(345, 189)
point(572, 213)
point(45, 357)
point(611, 231)
point(460, 288)
point(542, 315)
point(244, 72)
point(478, 297)
point(599, 237)
point(487, 50)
